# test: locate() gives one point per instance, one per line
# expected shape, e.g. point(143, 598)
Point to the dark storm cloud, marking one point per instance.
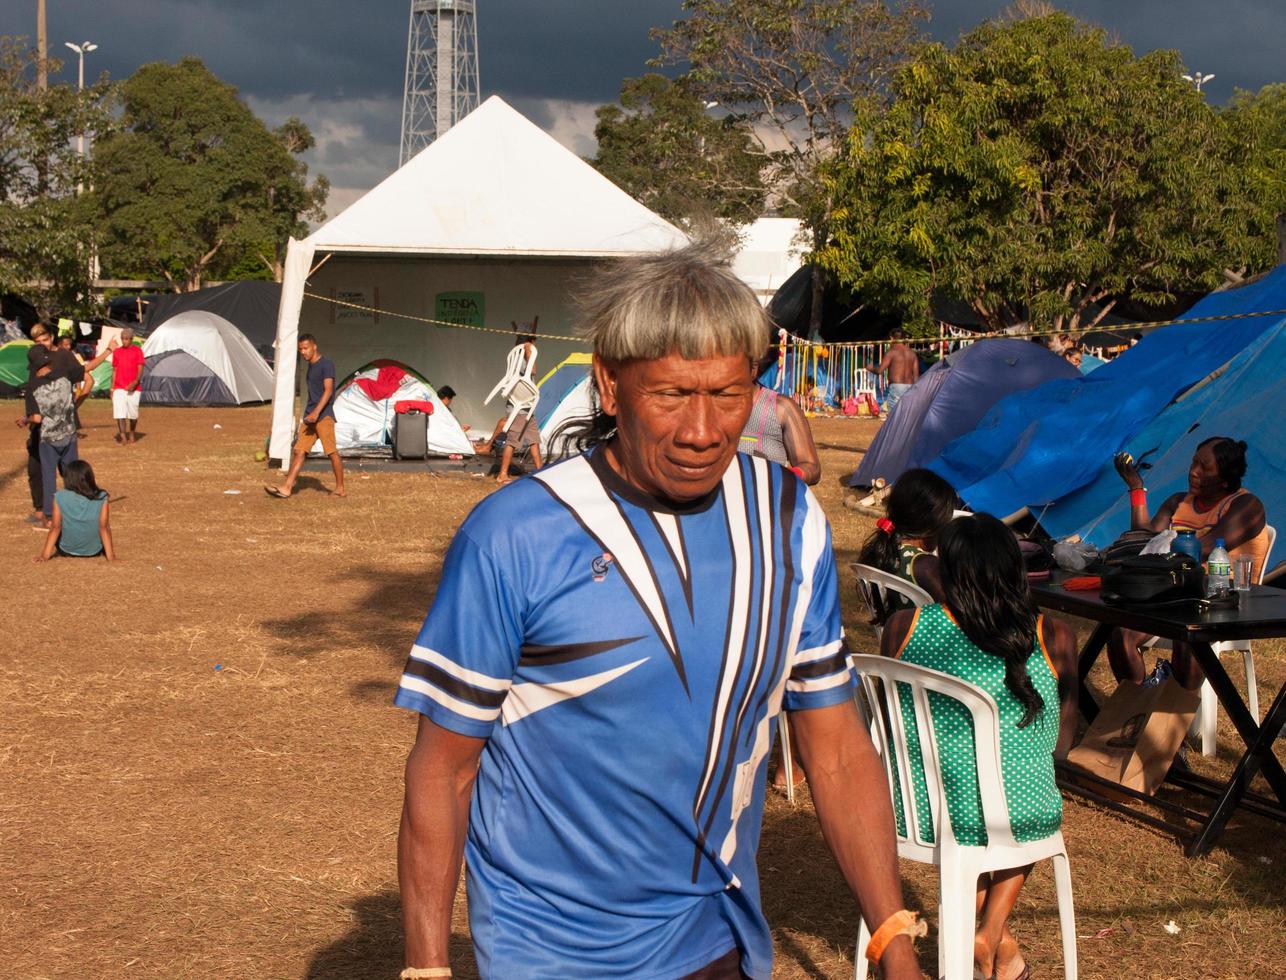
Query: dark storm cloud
point(556, 49)
point(339, 64)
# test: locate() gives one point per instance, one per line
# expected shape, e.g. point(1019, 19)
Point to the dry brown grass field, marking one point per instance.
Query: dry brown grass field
point(200, 771)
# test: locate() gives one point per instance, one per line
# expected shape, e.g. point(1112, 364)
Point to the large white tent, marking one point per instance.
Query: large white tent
point(771, 252)
point(490, 224)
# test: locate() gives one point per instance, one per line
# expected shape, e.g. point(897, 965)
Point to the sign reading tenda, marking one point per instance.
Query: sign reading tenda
point(464, 308)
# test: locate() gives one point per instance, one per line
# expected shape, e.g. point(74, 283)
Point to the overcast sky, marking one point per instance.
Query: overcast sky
point(340, 65)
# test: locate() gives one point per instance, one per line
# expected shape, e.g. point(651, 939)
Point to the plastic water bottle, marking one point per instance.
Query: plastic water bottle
point(1218, 570)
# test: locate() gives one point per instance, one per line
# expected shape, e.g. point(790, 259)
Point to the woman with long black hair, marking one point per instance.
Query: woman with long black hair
point(987, 632)
point(82, 517)
point(918, 507)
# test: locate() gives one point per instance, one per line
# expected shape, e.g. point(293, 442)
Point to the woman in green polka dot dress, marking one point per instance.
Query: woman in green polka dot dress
point(920, 505)
point(987, 632)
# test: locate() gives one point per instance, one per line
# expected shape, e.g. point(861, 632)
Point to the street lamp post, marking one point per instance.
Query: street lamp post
point(81, 49)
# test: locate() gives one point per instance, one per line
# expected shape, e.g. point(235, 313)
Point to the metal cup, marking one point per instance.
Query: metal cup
point(1242, 566)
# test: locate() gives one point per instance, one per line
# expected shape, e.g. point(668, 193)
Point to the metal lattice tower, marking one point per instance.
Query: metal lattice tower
point(441, 71)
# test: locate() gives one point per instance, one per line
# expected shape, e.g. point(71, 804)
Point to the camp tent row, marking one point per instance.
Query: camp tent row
point(490, 224)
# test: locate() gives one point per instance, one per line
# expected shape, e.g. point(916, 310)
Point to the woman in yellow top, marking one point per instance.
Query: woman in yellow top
point(1216, 506)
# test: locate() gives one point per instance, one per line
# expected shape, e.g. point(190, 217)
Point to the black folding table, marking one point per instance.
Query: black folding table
point(1260, 615)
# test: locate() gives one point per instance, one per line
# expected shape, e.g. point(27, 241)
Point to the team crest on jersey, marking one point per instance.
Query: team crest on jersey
point(600, 565)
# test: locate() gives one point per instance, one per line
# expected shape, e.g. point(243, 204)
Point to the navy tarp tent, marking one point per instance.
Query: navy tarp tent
point(1038, 446)
point(950, 398)
point(177, 378)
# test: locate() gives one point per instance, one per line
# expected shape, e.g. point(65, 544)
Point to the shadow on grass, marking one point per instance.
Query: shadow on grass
point(803, 892)
point(372, 947)
point(9, 476)
point(387, 615)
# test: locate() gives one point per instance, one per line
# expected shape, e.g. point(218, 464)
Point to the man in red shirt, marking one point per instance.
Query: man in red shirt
point(127, 375)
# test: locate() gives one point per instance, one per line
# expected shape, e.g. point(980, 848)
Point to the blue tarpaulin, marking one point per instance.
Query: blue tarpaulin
point(948, 401)
point(1239, 402)
point(1038, 446)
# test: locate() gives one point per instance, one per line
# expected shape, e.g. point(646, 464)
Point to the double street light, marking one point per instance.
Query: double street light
point(1197, 79)
point(81, 49)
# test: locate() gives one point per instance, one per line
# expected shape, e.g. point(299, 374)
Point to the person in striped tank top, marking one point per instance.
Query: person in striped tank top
point(987, 632)
point(778, 431)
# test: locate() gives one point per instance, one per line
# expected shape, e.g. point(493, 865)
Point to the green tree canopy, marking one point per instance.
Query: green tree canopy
point(1263, 115)
point(45, 229)
point(662, 147)
point(194, 185)
point(792, 69)
point(1040, 172)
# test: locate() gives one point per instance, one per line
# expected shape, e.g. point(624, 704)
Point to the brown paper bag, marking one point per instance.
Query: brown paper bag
point(1137, 734)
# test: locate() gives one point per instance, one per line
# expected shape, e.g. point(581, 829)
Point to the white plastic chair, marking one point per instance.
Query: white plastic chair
point(517, 386)
point(959, 865)
point(1206, 722)
point(875, 584)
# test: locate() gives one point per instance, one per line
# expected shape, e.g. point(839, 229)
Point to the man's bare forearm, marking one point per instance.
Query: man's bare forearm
point(851, 797)
point(430, 847)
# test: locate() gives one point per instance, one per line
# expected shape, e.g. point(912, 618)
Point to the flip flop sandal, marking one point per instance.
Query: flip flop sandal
point(276, 492)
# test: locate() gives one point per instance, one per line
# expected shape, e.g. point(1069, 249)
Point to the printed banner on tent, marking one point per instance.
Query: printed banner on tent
point(367, 299)
point(464, 308)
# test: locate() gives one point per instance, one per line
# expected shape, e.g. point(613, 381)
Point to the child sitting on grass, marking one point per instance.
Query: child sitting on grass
point(81, 527)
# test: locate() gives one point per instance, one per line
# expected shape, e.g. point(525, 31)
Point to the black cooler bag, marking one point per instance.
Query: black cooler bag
point(1146, 579)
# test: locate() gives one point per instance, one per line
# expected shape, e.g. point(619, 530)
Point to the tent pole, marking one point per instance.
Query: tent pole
point(299, 257)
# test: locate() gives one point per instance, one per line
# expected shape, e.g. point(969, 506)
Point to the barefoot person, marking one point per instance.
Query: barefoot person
point(521, 436)
point(127, 377)
point(594, 742)
point(987, 632)
point(319, 420)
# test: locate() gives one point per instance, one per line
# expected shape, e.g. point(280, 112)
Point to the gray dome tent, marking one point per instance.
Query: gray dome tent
point(177, 378)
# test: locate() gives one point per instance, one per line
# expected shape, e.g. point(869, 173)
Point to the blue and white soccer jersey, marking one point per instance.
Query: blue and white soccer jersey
point(627, 663)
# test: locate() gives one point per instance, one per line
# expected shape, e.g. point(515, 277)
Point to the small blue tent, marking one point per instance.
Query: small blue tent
point(1039, 446)
point(949, 400)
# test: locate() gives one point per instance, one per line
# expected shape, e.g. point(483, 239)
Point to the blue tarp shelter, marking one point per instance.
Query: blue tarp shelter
point(1039, 446)
point(1238, 401)
point(950, 399)
point(789, 374)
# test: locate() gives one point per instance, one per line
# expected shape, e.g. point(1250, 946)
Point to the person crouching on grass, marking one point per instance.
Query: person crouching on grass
point(319, 420)
point(82, 518)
